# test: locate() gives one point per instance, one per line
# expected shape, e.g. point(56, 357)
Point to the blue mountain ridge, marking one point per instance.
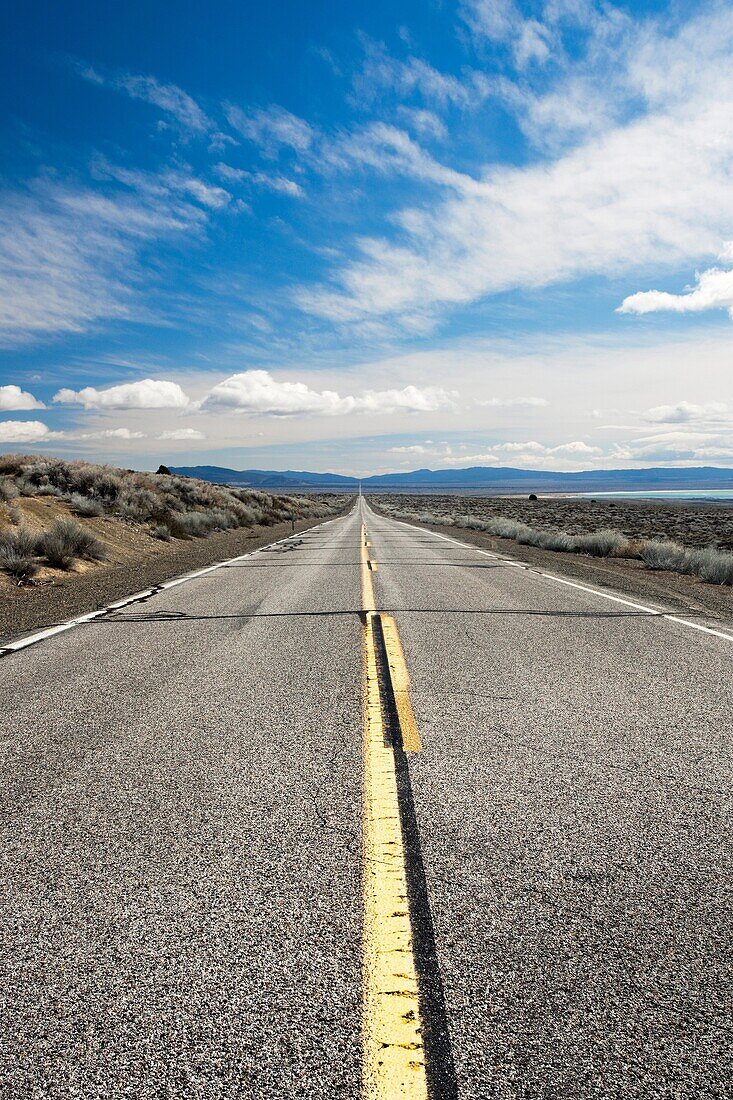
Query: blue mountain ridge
point(487, 478)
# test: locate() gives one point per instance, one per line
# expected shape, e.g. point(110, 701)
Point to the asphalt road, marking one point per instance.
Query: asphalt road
point(182, 847)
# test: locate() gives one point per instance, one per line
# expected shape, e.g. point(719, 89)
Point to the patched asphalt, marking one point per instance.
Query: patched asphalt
point(182, 835)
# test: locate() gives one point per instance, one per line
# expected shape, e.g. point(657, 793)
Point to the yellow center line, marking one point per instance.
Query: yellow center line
point(367, 589)
point(394, 1056)
point(400, 679)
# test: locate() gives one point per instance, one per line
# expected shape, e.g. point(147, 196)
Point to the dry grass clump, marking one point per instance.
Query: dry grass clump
point(85, 506)
point(664, 554)
point(187, 507)
point(18, 551)
point(66, 541)
point(709, 563)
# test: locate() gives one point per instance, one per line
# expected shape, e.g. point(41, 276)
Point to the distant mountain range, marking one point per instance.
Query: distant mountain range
point(484, 478)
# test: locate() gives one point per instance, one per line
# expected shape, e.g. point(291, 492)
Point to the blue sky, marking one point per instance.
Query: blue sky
point(366, 237)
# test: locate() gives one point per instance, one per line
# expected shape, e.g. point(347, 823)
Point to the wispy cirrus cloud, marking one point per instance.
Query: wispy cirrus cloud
point(69, 252)
point(272, 182)
point(416, 77)
point(168, 98)
point(272, 128)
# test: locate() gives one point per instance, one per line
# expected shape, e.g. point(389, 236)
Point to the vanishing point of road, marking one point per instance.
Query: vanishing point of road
point(368, 813)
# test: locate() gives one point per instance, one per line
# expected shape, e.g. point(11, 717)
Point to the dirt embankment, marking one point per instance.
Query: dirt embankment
point(691, 524)
point(135, 561)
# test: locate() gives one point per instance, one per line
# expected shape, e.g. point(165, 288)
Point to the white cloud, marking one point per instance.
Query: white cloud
point(167, 97)
point(205, 193)
point(105, 433)
point(532, 454)
point(685, 412)
point(416, 77)
point(272, 128)
point(387, 149)
point(502, 21)
point(281, 184)
point(14, 399)
point(182, 433)
point(650, 190)
point(713, 290)
point(69, 257)
point(148, 393)
point(511, 402)
point(257, 392)
point(34, 431)
point(421, 449)
point(425, 123)
point(25, 431)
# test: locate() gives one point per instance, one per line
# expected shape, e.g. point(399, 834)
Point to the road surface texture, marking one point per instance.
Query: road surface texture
point(184, 790)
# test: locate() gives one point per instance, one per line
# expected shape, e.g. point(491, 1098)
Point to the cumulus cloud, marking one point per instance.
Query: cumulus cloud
point(105, 433)
point(182, 433)
point(25, 431)
point(685, 412)
point(35, 431)
point(529, 454)
point(14, 399)
point(148, 393)
point(257, 392)
point(713, 290)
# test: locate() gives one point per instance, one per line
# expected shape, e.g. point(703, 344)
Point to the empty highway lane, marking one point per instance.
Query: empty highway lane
point(368, 813)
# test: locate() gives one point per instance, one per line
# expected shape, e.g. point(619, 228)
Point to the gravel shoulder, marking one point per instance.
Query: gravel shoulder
point(65, 595)
point(670, 591)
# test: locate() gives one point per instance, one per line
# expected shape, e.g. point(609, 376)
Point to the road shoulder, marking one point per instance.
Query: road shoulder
point(672, 591)
point(27, 609)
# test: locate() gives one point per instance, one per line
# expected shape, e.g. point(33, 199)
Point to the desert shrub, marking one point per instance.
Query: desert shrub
point(601, 544)
point(711, 565)
point(85, 506)
point(33, 489)
point(153, 499)
point(507, 528)
point(161, 531)
point(195, 524)
point(21, 541)
point(555, 540)
point(664, 554)
point(20, 566)
point(8, 489)
point(18, 550)
point(66, 541)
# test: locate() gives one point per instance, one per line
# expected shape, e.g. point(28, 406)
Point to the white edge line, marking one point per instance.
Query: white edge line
point(80, 620)
point(573, 584)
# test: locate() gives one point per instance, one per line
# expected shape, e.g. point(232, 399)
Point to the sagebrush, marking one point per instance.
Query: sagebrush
point(709, 563)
